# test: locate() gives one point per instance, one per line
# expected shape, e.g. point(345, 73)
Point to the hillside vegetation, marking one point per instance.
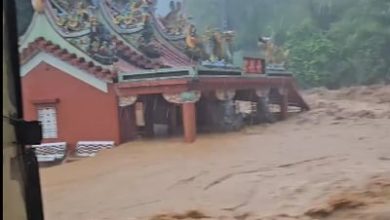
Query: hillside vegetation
point(331, 43)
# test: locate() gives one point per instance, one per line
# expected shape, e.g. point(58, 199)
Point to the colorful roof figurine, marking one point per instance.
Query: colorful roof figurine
point(107, 37)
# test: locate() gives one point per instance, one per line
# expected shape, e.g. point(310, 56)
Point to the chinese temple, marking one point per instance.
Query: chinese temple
point(108, 71)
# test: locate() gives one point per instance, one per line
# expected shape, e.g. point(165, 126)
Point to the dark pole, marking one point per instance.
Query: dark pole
point(27, 159)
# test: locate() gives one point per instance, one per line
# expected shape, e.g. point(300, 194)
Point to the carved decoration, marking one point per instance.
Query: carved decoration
point(127, 101)
point(38, 5)
point(214, 47)
point(175, 22)
point(76, 21)
point(71, 16)
point(274, 54)
point(219, 45)
point(194, 45)
point(184, 97)
point(128, 15)
point(100, 44)
point(145, 43)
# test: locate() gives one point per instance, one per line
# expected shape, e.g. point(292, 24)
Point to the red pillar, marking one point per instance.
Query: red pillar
point(283, 105)
point(189, 122)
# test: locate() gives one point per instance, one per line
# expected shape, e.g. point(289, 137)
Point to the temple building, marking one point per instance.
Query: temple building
point(108, 71)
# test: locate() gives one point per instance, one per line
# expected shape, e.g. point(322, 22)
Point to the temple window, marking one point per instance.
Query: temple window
point(48, 117)
point(46, 111)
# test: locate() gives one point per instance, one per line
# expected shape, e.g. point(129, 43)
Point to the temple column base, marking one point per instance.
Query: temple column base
point(263, 115)
point(187, 102)
point(283, 104)
point(189, 122)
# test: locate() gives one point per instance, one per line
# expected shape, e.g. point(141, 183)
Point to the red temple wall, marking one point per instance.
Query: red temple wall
point(84, 113)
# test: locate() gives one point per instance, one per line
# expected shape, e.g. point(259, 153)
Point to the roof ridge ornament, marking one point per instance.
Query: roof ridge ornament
point(38, 5)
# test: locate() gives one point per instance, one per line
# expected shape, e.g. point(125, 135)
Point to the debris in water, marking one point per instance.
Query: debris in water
point(193, 214)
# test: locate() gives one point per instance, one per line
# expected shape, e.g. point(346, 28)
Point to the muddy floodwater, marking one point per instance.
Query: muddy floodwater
point(282, 170)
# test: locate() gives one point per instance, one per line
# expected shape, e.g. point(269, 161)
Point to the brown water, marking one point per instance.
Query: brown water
point(283, 168)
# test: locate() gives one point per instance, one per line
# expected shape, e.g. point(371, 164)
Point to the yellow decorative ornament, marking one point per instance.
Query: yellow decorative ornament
point(117, 20)
point(82, 12)
point(38, 5)
point(127, 101)
point(93, 21)
point(61, 21)
point(191, 40)
point(136, 5)
point(73, 23)
point(129, 20)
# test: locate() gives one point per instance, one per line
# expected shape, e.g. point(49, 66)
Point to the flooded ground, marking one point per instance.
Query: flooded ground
point(330, 163)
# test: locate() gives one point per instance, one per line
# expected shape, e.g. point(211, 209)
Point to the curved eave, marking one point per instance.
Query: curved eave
point(110, 26)
point(65, 67)
point(41, 27)
point(179, 59)
point(161, 29)
point(41, 45)
point(163, 40)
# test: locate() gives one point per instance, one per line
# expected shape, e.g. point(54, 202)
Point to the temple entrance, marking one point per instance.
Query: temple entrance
point(155, 117)
point(158, 115)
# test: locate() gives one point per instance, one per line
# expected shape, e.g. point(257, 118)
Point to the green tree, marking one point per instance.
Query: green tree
point(311, 55)
point(332, 43)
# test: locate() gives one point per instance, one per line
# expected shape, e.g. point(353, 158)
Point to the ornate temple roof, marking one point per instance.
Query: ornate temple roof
point(109, 37)
point(43, 45)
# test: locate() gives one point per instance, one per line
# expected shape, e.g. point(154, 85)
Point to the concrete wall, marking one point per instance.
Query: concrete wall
point(84, 113)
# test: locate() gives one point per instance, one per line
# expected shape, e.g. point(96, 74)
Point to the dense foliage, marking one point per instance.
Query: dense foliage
point(331, 43)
